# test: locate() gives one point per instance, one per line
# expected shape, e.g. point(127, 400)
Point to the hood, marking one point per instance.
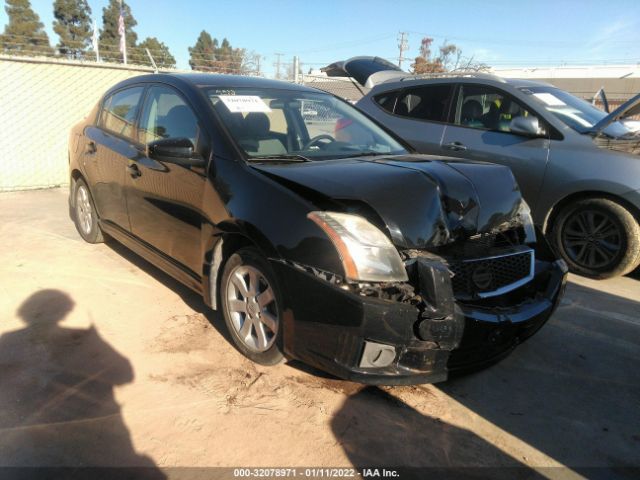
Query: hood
point(423, 201)
point(627, 109)
point(367, 71)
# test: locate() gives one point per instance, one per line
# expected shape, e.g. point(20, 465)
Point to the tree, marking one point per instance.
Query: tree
point(73, 25)
point(449, 58)
point(201, 55)
point(24, 33)
point(159, 51)
point(207, 55)
point(110, 38)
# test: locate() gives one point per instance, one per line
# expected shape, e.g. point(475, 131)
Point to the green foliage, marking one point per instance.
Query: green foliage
point(73, 25)
point(24, 33)
point(206, 55)
point(110, 38)
point(159, 51)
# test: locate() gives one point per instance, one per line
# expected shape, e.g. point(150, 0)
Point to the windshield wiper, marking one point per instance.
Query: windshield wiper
point(289, 157)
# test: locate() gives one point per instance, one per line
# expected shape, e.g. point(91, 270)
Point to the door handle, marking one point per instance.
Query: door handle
point(133, 170)
point(91, 148)
point(455, 146)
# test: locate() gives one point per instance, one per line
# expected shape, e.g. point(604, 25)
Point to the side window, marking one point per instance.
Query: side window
point(166, 115)
point(487, 108)
point(119, 111)
point(425, 103)
point(386, 100)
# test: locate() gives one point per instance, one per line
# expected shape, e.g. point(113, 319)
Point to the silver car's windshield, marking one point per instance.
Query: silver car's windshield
point(575, 112)
point(274, 123)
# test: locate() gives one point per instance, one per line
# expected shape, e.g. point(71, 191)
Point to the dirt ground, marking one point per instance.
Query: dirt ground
point(106, 361)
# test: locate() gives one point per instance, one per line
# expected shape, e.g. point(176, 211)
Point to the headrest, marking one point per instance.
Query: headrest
point(257, 124)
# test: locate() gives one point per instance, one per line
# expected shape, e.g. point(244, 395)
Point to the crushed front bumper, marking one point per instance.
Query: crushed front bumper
point(377, 341)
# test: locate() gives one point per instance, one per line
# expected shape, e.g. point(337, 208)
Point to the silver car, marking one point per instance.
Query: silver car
point(577, 166)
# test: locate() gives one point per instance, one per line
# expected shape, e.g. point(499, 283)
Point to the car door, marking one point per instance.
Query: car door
point(480, 129)
point(110, 145)
point(418, 114)
point(164, 198)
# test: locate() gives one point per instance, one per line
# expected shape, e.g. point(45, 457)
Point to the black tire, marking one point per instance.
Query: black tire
point(597, 237)
point(257, 340)
point(85, 217)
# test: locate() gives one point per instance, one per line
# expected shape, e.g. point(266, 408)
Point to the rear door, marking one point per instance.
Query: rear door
point(165, 199)
point(418, 114)
point(480, 130)
point(110, 145)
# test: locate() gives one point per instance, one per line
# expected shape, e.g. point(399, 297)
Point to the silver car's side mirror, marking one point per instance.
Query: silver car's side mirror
point(528, 126)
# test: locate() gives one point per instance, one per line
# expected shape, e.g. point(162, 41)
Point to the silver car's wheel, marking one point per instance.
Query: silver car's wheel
point(84, 210)
point(597, 237)
point(252, 308)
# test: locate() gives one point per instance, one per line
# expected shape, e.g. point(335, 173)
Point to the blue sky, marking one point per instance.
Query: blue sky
point(499, 33)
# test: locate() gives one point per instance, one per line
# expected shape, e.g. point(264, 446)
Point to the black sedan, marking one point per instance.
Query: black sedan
point(321, 237)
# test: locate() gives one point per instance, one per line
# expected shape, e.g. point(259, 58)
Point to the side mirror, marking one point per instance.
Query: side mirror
point(527, 126)
point(175, 150)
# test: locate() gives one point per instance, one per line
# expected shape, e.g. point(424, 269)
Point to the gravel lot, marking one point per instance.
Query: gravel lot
point(106, 361)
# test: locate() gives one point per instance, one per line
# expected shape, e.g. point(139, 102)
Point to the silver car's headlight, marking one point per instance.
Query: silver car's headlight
point(367, 254)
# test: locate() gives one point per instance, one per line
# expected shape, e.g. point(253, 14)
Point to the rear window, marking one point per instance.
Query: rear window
point(386, 100)
point(119, 111)
point(425, 103)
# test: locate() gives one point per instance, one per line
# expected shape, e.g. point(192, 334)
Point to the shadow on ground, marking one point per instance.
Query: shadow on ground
point(572, 391)
point(57, 404)
point(376, 429)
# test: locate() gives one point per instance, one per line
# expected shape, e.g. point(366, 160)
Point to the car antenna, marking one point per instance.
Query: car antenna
point(155, 67)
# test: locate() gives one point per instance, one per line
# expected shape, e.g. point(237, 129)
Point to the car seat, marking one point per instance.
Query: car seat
point(471, 114)
point(257, 137)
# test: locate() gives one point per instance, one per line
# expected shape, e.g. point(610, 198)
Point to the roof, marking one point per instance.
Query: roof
point(221, 80)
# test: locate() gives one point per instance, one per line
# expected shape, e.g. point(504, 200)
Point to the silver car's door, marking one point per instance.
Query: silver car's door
point(483, 128)
point(417, 114)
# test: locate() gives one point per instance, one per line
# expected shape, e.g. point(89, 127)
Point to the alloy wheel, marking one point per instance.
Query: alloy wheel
point(252, 308)
point(84, 210)
point(592, 239)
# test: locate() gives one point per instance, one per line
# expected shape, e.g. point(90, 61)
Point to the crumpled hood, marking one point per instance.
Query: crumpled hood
point(424, 201)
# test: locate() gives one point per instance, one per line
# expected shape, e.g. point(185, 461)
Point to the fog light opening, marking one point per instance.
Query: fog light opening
point(377, 355)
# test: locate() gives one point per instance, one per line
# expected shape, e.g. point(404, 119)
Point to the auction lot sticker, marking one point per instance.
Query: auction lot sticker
point(244, 103)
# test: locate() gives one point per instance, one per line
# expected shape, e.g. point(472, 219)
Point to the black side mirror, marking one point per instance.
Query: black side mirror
point(175, 150)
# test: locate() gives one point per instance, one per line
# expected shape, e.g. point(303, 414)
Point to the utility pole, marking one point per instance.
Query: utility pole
point(296, 68)
point(277, 64)
point(258, 73)
point(403, 45)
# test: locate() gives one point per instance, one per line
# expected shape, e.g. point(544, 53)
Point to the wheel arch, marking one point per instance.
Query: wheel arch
point(223, 245)
point(552, 214)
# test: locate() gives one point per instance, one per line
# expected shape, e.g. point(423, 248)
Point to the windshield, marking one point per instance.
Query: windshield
point(286, 123)
point(575, 112)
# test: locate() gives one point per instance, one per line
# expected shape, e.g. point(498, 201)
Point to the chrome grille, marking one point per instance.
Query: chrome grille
point(491, 276)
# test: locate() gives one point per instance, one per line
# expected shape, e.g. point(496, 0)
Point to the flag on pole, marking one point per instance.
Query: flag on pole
point(121, 31)
point(94, 40)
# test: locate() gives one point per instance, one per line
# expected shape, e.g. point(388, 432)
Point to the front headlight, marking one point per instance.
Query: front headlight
point(367, 254)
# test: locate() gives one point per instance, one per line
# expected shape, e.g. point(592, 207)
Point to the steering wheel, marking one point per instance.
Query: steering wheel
point(316, 139)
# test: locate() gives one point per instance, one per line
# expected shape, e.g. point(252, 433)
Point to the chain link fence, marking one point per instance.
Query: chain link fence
point(42, 98)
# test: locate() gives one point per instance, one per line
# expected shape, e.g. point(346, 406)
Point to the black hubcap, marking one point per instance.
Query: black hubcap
point(592, 239)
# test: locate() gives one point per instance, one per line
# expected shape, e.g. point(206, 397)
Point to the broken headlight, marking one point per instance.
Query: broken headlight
point(367, 254)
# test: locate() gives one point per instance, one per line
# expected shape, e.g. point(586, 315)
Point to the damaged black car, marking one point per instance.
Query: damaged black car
point(319, 235)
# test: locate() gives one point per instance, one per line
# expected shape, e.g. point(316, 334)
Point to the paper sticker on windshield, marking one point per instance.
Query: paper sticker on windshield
point(549, 99)
point(244, 103)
